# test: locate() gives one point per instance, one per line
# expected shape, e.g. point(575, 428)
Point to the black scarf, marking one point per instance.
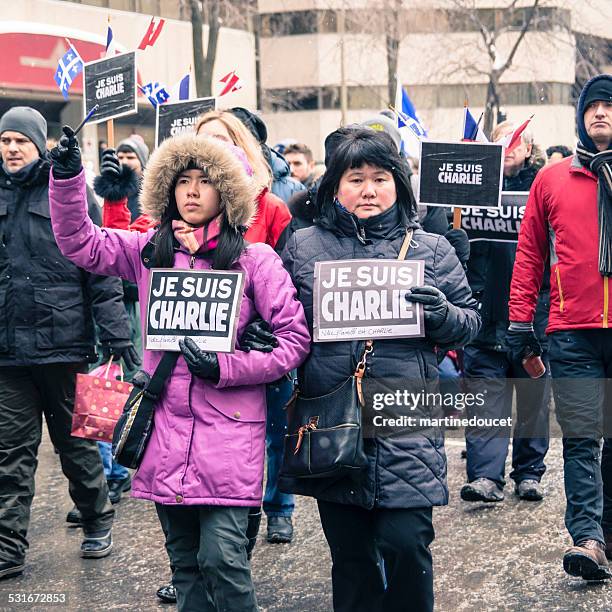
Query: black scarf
point(601, 165)
point(25, 174)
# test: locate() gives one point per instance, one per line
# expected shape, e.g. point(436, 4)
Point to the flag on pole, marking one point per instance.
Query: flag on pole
point(411, 129)
point(512, 140)
point(180, 90)
point(472, 132)
point(152, 34)
point(406, 111)
point(70, 65)
point(111, 44)
point(156, 93)
point(231, 82)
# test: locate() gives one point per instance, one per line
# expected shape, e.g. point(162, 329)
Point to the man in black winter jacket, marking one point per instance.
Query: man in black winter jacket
point(47, 336)
point(488, 367)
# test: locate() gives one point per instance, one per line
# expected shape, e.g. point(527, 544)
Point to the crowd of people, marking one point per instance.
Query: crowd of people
point(74, 287)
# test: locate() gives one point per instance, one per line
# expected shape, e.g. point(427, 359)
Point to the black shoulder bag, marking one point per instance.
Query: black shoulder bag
point(134, 426)
point(325, 437)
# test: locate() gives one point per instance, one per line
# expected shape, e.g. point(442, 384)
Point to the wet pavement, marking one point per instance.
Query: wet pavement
point(487, 557)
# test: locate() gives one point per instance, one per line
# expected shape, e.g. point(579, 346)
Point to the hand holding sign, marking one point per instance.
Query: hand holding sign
point(200, 363)
point(66, 156)
point(435, 304)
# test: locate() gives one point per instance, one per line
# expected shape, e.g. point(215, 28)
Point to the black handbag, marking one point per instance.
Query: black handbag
point(325, 437)
point(134, 426)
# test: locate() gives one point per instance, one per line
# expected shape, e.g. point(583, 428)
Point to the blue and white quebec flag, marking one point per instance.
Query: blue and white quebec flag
point(69, 67)
point(156, 93)
point(408, 122)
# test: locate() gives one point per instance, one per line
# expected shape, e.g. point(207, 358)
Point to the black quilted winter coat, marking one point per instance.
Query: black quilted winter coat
point(403, 471)
point(47, 304)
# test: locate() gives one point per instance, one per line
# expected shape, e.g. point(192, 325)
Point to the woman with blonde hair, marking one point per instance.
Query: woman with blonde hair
point(272, 213)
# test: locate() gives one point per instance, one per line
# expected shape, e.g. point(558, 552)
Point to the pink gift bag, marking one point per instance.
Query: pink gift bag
point(99, 401)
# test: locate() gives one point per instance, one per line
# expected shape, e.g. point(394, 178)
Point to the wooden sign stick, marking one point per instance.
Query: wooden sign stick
point(456, 217)
point(110, 133)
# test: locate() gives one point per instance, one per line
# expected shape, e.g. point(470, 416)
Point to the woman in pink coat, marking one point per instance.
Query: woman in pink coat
point(203, 465)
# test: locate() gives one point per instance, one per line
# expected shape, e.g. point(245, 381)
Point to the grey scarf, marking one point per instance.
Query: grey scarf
point(601, 165)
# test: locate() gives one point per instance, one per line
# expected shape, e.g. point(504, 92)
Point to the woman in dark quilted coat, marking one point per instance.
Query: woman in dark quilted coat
point(378, 524)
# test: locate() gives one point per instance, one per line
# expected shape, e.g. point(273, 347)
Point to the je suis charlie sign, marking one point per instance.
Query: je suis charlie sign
point(365, 298)
point(110, 83)
point(201, 304)
point(496, 224)
point(460, 174)
point(172, 119)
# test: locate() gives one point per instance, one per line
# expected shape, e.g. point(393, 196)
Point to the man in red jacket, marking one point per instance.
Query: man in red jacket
point(568, 219)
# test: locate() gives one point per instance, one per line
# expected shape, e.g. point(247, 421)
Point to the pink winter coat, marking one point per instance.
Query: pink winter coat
point(207, 445)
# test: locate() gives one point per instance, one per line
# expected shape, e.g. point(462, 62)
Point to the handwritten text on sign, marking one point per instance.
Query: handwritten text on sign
point(365, 298)
point(201, 304)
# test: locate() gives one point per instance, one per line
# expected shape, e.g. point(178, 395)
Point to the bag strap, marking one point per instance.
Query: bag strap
point(405, 245)
point(162, 371)
point(369, 345)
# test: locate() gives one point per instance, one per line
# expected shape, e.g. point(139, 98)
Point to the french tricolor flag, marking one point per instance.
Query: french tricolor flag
point(472, 132)
point(180, 90)
point(111, 45)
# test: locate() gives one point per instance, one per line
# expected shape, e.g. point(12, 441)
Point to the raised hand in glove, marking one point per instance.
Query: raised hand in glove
point(66, 156)
point(258, 336)
point(121, 350)
point(435, 304)
point(110, 165)
point(200, 363)
point(459, 240)
point(522, 341)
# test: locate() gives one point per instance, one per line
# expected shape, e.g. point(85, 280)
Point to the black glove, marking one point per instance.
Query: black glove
point(110, 166)
point(66, 156)
point(522, 342)
point(258, 336)
point(200, 363)
point(122, 350)
point(460, 242)
point(435, 304)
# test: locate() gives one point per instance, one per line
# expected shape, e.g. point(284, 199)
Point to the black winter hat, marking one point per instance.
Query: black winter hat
point(601, 89)
point(252, 121)
point(27, 121)
point(598, 88)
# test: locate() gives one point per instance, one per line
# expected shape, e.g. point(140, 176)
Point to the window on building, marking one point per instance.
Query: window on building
point(327, 22)
point(290, 23)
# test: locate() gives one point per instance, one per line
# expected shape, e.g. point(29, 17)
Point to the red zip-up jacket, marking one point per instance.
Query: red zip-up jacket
point(117, 216)
point(272, 218)
point(561, 222)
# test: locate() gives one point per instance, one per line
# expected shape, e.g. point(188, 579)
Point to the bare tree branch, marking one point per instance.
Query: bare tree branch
point(523, 31)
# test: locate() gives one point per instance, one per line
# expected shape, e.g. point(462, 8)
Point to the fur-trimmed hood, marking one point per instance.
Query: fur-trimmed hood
point(223, 168)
